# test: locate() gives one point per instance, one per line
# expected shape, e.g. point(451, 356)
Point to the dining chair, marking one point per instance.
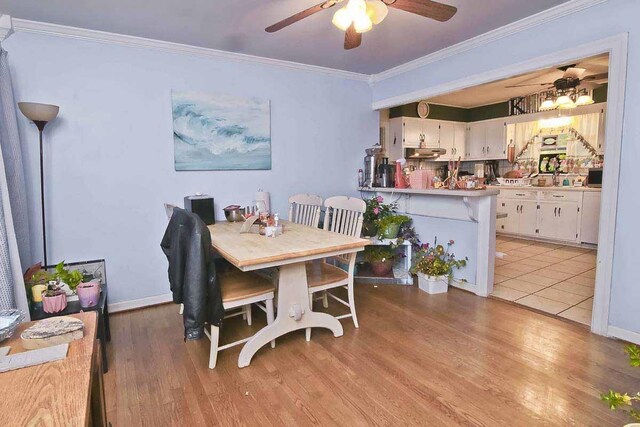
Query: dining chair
point(240, 290)
point(305, 209)
point(343, 215)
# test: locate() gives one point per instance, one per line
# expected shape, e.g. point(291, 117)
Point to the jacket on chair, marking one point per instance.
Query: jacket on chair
point(192, 272)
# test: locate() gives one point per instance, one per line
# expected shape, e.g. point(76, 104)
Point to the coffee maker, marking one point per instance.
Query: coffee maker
point(371, 161)
point(385, 173)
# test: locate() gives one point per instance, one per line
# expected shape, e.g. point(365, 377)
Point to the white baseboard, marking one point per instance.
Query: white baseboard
point(624, 334)
point(140, 303)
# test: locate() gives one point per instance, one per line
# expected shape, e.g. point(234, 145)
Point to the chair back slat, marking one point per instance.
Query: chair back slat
point(344, 215)
point(305, 209)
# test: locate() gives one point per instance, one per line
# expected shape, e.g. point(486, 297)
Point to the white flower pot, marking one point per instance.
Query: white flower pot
point(433, 284)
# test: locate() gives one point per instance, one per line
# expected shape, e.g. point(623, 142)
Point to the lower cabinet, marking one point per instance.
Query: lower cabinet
point(558, 220)
point(553, 215)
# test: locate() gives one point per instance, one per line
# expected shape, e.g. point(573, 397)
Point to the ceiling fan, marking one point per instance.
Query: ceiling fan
point(563, 93)
point(571, 79)
point(359, 16)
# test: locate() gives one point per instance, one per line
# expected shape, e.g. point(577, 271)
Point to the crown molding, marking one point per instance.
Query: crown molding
point(6, 28)
point(572, 6)
point(26, 26)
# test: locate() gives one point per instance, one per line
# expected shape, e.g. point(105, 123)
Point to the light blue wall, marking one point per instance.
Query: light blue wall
point(607, 19)
point(109, 156)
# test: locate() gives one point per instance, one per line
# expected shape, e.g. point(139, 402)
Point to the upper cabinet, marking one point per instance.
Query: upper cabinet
point(486, 140)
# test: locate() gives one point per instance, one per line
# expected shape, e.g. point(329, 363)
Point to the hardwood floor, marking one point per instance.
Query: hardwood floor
point(417, 359)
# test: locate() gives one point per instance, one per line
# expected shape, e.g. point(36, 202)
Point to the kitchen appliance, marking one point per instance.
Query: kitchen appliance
point(594, 177)
point(201, 205)
point(385, 173)
point(424, 153)
point(371, 161)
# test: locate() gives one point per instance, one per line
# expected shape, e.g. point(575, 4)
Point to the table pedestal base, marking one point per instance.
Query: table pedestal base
point(294, 313)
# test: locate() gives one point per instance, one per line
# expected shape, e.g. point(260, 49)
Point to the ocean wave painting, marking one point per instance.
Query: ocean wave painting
point(220, 132)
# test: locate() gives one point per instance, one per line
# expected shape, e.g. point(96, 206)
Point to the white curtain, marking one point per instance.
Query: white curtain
point(13, 223)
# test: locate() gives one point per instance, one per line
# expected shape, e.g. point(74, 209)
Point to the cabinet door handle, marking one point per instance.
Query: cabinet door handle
point(559, 211)
point(555, 211)
point(487, 149)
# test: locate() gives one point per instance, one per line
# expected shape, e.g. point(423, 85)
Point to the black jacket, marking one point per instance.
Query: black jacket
point(192, 272)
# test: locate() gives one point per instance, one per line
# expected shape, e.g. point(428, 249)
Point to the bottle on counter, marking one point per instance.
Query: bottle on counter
point(360, 178)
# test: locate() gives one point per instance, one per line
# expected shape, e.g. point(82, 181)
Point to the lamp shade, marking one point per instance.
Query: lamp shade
point(38, 112)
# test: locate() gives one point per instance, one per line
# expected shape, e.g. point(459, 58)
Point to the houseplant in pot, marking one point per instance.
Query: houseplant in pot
point(54, 299)
point(375, 211)
point(381, 259)
point(389, 226)
point(69, 280)
point(434, 267)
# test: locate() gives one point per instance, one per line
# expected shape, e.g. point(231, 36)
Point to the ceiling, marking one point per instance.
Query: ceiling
point(497, 91)
point(238, 26)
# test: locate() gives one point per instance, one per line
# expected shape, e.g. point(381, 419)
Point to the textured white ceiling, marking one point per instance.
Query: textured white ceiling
point(497, 91)
point(238, 26)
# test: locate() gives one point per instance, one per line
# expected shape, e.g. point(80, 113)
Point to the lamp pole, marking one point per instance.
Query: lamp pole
point(40, 125)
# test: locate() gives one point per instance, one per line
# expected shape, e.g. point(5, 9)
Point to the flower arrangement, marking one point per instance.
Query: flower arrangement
point(381, 258)
point(617, 400)
point(375, 211)
point(436, 260)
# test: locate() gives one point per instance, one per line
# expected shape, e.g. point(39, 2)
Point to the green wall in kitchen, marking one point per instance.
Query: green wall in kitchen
point(437, 112)
point(484, 112)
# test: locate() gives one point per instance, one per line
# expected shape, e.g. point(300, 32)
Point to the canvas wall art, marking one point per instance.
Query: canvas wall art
point(220, 132)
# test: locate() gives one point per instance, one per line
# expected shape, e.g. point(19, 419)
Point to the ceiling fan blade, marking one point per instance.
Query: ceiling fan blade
point(530, 84)
point(601, 76)
point(352, 38)
point(573, 72)
point(300, 15)
point(427, 8)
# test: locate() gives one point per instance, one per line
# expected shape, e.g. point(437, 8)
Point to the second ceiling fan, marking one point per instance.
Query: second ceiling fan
point(359, 16)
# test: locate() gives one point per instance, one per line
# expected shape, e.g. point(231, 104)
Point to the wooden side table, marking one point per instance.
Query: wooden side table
point(73, 307)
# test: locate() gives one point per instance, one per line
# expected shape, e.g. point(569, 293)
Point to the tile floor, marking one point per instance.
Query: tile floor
point(552, 278)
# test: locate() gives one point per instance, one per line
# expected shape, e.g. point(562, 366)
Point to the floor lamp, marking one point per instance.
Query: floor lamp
point(40, 115)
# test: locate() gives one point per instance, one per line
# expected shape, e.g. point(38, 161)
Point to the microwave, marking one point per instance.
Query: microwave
point(594, 177)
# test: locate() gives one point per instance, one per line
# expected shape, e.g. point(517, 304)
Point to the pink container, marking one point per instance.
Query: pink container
point(88, 294)
point(54, 304)
point(421, 179)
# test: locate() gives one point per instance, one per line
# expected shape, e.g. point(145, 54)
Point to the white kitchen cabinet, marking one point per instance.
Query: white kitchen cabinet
point(590, 213)
point(447, 138)
point(459, 140)
point(476, 141)
point(521, 216)
point(527, 219)
point(558, 220)
point(412, 133)
point(511, 207)
point(495, 140)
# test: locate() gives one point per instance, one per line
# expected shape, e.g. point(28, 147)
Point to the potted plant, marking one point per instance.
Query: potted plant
point(617, 400)
point(381, 259)
point(69, 279)
point(434, 267)
point(54, 299)
point(375, 211)
point(389, 226)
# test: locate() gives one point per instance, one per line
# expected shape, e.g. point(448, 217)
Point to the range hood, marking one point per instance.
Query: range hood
point(423, 153)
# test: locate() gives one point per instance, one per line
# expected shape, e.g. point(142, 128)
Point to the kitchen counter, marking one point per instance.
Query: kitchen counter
point(493, 191)
point(467, 217)
point(548, 188)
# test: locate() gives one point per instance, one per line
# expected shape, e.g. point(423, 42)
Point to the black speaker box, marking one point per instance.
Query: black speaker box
point(201, 205)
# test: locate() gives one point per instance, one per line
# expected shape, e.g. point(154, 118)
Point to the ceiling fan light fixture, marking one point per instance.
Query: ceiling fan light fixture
point(547, 104)
point(356, 7)
point(362, 23)
point(342, 19)
point(377, 11)
point(584, 99)
point(564, 102)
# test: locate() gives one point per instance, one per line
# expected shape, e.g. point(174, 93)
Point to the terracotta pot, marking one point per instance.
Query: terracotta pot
point(382, 268)
point(88, 294)
point(54, 304)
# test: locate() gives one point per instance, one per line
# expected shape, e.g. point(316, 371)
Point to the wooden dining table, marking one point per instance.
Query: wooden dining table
point(289, 252)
